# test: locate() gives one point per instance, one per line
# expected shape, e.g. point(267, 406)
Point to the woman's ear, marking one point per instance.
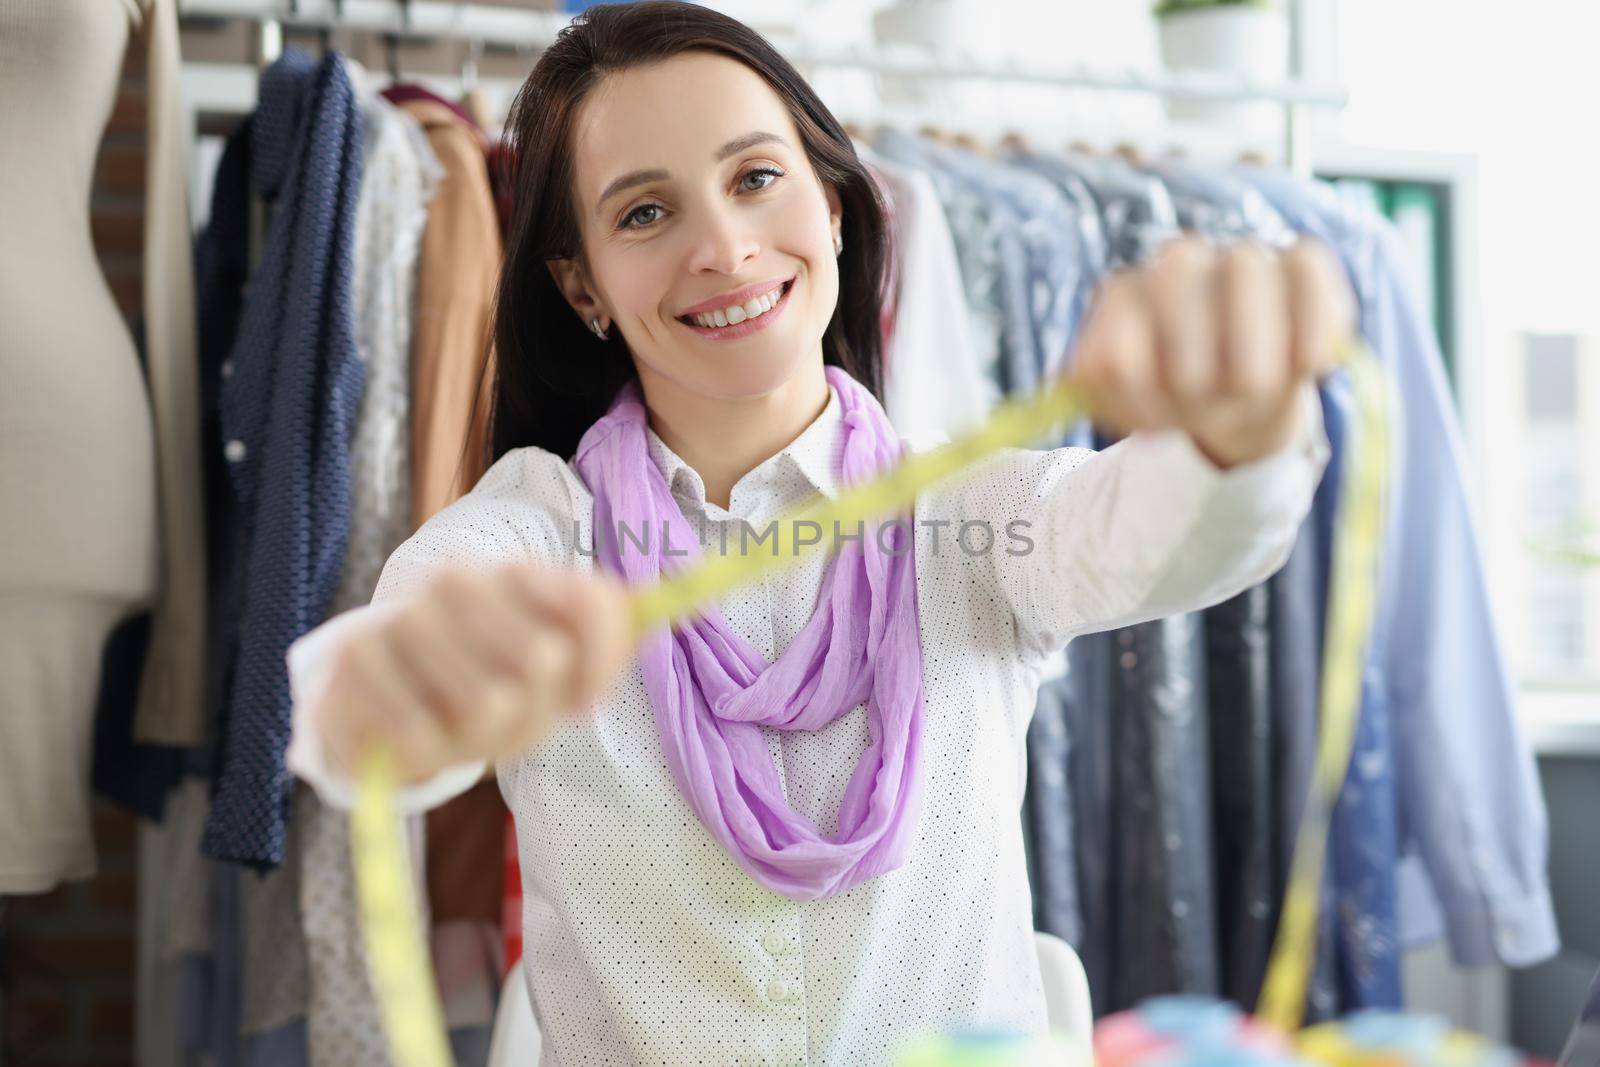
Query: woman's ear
point(572, 280)
point(835, 212)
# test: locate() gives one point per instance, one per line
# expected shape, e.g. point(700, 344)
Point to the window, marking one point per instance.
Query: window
point(1527, 309)
point(1560, 500)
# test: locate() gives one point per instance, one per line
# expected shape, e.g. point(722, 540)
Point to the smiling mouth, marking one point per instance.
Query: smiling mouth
point(783, 291)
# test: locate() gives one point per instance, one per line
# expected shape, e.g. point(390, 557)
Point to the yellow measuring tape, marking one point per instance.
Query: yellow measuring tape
point(1352, 600)
point(390, 914)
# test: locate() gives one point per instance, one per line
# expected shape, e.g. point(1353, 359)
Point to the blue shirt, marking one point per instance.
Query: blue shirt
point(1047, 229)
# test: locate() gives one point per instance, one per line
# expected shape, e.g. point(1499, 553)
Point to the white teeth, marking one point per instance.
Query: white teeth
point(731, 316)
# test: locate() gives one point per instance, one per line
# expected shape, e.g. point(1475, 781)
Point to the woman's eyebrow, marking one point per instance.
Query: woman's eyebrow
point(656, 174)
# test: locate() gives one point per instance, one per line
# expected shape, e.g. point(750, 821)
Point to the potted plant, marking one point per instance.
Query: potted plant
point(1245, 37)
point(1249, 37)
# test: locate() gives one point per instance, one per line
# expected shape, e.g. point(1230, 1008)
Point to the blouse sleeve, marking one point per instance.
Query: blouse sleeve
point(1146, 528)
point(171, 702)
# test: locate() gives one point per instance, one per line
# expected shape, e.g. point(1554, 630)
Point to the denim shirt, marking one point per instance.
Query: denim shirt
point(1221, 205)
point(1136, 210)
point(1089, 238)
point(1047, 229)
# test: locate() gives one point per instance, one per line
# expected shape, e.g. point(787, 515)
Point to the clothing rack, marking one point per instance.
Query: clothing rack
point(526, 31)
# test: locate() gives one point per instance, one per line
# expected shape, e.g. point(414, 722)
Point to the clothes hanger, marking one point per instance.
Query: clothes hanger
point(1131, 153)
point(325, 31)
point(1016, 141)
point(392, 42)
point(971, 144)
point(473, 99)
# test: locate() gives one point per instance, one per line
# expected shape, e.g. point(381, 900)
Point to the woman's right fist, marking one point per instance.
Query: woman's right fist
point(478, 667)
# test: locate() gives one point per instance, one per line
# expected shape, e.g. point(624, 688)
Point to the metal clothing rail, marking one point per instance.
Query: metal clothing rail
point(535, 30)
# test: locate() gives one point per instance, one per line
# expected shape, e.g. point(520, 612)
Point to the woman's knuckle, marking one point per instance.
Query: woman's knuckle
point(536, 658)
point(1246, 263)
point(1183, 258)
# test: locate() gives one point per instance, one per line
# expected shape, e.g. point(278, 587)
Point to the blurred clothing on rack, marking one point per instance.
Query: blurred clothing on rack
point(400, 177)
point(932, 382)
point(456, 278)
point(1167, 762)
point(1471, 822)
point(288, 402)
point(1219, 714)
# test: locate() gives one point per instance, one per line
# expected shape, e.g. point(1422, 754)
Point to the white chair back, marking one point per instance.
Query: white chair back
point(1066, 987)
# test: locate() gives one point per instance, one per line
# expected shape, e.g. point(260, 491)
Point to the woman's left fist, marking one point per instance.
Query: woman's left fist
point(1214, 340)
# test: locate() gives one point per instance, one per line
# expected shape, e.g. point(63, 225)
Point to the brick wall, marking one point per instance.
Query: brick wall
point(67, 962)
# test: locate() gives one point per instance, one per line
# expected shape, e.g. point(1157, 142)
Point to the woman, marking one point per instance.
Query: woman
point(726, 862)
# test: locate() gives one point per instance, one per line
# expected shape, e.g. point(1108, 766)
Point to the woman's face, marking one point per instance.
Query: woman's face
point(692, 185)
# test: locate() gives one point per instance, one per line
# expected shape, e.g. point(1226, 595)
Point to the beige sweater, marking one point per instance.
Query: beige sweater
point(171, 703)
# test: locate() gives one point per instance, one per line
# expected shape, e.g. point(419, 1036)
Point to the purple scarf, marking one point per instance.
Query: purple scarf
point(711, 691)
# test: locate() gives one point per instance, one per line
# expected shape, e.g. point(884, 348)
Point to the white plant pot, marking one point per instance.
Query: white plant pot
point(1249, 41)
point(984, 30)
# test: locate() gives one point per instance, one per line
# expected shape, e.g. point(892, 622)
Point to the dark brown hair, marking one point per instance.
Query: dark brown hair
point(552, 378)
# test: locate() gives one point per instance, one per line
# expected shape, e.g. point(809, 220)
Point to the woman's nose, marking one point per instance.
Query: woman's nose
point(723, 244)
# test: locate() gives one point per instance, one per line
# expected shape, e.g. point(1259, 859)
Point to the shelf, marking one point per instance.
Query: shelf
point(525, 30)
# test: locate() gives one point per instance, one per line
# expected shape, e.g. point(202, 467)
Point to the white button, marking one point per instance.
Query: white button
point(776, 944)
point(234, 450)
point(778, 989)
point(226, 370)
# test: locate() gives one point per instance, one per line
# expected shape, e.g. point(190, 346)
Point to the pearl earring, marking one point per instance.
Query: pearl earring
point(838, 243)
point(594, 324)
